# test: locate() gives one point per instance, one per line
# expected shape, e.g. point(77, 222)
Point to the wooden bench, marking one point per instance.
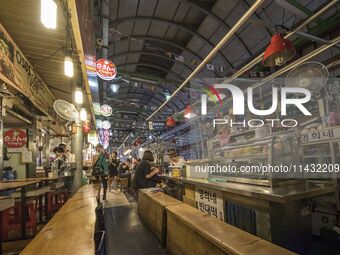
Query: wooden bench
point(71, 229)
point(151, 208)
point(190, 231)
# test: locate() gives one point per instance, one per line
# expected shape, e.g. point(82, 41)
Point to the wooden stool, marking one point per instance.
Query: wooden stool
point(11, 219)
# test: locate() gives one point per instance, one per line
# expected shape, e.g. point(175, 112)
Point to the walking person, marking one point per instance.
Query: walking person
point(100, 168)
point(113, 171)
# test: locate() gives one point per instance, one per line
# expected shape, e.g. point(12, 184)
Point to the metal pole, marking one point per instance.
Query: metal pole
point(230, 33)
point(259, 57)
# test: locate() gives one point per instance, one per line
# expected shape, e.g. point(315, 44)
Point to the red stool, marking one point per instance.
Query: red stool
point(62, 197)
point(11, 219)
point(56, 199)
point(52, 202)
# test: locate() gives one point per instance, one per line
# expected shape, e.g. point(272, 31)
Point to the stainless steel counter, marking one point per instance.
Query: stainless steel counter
point(281, 194)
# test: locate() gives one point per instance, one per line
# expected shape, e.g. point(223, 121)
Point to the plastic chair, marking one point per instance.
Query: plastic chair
point(11, 219)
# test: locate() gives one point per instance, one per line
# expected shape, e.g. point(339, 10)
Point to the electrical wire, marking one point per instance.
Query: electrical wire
point(47, 57)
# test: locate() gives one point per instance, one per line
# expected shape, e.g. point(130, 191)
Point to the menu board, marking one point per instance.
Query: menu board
point(320, 135)
point(27, 156)
point(210, 201)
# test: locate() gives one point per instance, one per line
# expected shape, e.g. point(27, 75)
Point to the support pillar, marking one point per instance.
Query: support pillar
point(77, 145)
point(33, 142)
point(1, 141)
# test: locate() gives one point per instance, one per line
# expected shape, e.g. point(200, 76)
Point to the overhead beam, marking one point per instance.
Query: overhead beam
point(197, 6)
point(148, 53)
point(152, 66)
point(179, 25)
point(221, 44)
point(164, 41)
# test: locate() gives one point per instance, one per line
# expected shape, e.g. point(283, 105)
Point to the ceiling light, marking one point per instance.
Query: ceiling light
point(78, 96)
point(48, 13)
point(189, 113)
point(127, 152)
point(114, 88)
point(68, 66)
point(83, 114)
point(278, 52)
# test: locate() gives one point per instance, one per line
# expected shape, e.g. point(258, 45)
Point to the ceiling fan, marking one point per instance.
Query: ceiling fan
point(66, 111)
point(312, 76)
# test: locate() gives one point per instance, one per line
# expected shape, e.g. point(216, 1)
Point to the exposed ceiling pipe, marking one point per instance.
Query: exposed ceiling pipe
point(298, 62)
point(259, 57)
point(230, 33)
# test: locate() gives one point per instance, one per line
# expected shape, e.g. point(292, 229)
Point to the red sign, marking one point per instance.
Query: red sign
point(15, 138)
point(106, 69)
point(86, 127)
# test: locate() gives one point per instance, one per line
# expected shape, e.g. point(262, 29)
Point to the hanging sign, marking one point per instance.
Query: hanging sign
point(104, 136)
point(86, 127)
point(15, 138)
point(99, 124)
point(96, 108)
point(106, 110)
point(106, 70)
point(106, 124)
point(17, 71)
point(92, 138)
point(210, 201)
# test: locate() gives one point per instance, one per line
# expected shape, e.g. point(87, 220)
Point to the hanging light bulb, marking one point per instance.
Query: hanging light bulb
point(68, 66)
point(78, 96)
point(83, 114)
point(48, 14)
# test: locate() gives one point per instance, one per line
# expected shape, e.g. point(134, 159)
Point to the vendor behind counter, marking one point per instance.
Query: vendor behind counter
point(175, 159)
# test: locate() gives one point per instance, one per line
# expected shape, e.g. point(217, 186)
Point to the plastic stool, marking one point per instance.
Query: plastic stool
point(52, 202)
point(56, 199)
point(11, 219)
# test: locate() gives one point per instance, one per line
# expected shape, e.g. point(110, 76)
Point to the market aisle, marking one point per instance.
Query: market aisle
point(125, 232)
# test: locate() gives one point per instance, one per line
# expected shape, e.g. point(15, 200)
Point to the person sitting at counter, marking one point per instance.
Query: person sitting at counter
point(175, 159)
point(145, 175)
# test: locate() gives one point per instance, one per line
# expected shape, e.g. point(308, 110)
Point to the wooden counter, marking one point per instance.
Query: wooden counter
point(6, 185)
point(190, 231)
point(72, 228)
point(151, 208)
point(40, 179)
point(281, 194)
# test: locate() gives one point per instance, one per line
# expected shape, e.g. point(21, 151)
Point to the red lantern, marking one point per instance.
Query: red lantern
point(278, 52)
point(170, 122)
point(86, 127)
point(189, 113)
